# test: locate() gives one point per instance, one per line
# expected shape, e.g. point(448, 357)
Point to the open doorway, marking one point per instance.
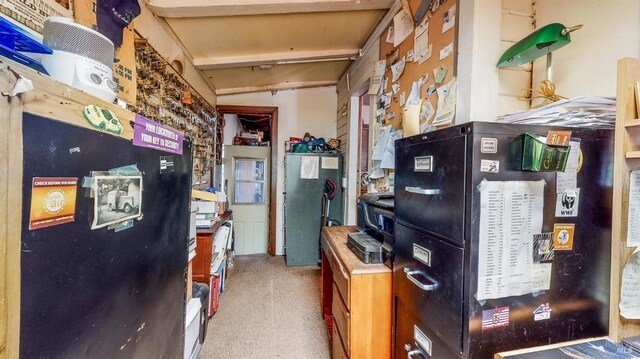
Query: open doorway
point(252, 129)
point(363, 146)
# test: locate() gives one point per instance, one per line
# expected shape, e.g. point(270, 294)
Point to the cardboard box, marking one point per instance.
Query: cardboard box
point(207, 207)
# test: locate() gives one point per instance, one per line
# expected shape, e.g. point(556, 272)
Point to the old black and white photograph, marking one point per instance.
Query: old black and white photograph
point(117, 198)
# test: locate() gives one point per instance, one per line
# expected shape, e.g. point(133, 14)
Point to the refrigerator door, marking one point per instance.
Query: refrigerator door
point(427, 276)
point(430, 186)
point(303, 204)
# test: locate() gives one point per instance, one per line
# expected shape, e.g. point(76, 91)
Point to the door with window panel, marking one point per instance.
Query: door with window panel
point(247, 175)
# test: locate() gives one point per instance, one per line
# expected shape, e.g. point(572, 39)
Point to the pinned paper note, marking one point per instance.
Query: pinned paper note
point(397, 69)
point(430, 90)
point(426, 111)
point(410, 55)
point(376, 78)
point(446, 103)
point(421, 45)
point(395, 87)
point(389, 38)
point(541, 276)
point(401, 101)
point(446, 51)
point(402, 27)
point(439, 73)
point(449, 19)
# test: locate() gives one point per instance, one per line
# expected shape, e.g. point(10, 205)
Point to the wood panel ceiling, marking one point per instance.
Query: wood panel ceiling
point(260, 45)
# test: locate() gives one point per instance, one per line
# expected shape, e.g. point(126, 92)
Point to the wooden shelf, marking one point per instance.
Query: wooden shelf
point(632, 123)
point(626, 145)
point(632, 154)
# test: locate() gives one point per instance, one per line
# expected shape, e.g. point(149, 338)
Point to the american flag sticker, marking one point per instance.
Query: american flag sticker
point(495, 318)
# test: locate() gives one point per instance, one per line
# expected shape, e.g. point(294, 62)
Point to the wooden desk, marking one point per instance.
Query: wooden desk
point(357, 297)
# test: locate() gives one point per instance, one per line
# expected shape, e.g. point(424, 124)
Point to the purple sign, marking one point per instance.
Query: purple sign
point(147, 133)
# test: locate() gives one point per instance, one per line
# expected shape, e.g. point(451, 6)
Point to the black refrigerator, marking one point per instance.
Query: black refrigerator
point(453, 242)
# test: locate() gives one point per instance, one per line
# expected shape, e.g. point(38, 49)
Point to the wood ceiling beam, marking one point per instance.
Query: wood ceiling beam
point(273, 58)
point(204, 8)
point(275, 87)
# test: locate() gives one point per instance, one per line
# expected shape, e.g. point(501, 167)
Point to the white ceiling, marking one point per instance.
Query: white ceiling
point(259, 45)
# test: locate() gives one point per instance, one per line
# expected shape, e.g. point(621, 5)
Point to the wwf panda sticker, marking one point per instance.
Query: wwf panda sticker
point(567, 203)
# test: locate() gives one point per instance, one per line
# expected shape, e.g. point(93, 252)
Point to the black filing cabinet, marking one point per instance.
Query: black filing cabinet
point(435, 274)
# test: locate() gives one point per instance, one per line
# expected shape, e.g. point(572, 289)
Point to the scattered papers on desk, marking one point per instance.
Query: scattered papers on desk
point(402, 27)
point(630, 287)
point(633, 224)
point(599, 112)
point(510, 214)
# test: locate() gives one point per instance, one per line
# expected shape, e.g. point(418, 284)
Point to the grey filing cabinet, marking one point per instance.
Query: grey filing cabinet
point(303, 204)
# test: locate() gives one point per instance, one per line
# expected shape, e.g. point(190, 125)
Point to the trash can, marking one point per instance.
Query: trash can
point(201, 291)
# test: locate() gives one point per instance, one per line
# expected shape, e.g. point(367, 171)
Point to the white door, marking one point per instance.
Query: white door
point(246, 172)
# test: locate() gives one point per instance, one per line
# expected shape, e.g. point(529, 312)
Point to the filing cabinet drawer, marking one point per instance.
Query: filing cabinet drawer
point(342, 319)
point(415, 340)
point(338, 351)
point(341, 279)
point(428, 276)
point(430, 186)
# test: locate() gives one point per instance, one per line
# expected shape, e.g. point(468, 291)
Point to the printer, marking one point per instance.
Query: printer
point(374, 241)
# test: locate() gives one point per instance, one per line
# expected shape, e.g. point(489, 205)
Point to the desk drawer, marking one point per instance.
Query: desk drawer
point(338, 351)
point(341, 320)
point(341, 279)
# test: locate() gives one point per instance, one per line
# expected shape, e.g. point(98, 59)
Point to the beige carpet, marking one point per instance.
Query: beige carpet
point(268, 310)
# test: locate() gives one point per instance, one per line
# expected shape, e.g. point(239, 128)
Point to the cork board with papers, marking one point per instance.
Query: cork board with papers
point(423, 51)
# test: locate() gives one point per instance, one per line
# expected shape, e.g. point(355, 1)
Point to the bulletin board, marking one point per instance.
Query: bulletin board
point(413, 71)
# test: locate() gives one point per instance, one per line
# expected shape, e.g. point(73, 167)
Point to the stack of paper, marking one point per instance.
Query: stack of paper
point(599, 112)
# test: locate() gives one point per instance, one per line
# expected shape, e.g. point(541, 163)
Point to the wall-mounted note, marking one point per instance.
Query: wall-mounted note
point(633, 225)
point(630, 288)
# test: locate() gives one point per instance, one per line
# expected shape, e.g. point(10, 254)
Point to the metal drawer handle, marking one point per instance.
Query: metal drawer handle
point(422, 190)
point(415, 352)
point(426, 287)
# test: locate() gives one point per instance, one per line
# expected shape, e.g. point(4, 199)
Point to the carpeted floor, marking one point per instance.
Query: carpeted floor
point(268, 310)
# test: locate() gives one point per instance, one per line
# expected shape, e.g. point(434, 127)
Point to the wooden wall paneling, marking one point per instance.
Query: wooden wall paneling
point(10, 216)
point(627, 141)
point(413, 71)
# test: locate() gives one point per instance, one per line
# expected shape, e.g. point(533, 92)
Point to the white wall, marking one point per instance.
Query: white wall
point(299, 111)
point(230, 128)
point(588, 65)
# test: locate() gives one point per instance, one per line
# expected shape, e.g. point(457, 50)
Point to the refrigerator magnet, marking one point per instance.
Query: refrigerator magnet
point(490, 166)
point(563, 236)
point(489, 145)
point(567, 203)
